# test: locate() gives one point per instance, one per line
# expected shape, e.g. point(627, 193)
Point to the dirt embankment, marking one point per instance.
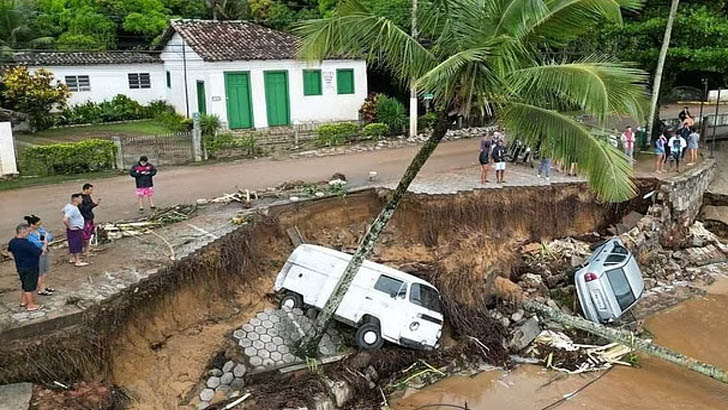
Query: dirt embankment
point(156, 339)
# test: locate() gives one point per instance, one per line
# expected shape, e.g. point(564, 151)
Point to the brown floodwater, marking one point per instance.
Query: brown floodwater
point(698, 328)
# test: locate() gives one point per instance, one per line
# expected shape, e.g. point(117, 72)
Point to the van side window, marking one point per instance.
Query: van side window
point(388, 285)
point(621, 288)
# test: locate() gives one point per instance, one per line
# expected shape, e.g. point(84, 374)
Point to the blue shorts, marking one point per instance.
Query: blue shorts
point(659, 151)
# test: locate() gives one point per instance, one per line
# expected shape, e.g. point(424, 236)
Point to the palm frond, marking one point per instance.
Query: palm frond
point(607, 169)
point(596, 85)
point(515, 15)
point(354, 32)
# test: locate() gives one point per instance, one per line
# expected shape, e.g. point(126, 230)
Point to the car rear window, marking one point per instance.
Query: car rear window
point(388, 285)
point(622, 289)
point(425, 296)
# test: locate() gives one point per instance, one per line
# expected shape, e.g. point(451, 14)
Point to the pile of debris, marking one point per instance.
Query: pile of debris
point(112, 231)
point(557, 351)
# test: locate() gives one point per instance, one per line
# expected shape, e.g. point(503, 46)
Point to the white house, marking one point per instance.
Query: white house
point(246, 74)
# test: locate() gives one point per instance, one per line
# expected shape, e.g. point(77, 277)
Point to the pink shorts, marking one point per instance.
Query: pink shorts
point(142, 192)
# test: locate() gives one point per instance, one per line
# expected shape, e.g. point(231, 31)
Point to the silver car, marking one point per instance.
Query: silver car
point(609, 282)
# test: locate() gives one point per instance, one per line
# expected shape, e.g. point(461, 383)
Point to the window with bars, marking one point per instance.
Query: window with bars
point(139, 80)
point(78, 83)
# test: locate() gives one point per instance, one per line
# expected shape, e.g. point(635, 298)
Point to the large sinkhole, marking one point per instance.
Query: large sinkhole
point(157, 341)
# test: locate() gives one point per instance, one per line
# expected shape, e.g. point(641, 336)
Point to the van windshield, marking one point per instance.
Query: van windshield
point(622, 289)
point(426, 297)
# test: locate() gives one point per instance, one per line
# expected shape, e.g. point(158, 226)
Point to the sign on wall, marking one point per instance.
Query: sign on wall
point(8, 166)
point(328, 80)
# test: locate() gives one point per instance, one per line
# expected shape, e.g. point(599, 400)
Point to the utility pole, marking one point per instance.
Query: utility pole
point(413, 89)
point(661, 66)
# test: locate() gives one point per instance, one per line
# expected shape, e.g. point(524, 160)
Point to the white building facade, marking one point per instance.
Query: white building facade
point(244, 73)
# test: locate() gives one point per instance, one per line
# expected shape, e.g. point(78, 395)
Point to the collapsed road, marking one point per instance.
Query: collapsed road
point(159, 340)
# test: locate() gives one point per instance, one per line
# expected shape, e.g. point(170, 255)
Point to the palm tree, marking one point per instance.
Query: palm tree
point(489, 57)
point(14, 30)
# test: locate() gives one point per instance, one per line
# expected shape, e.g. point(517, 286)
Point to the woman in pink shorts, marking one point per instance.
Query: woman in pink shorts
point(143, 173)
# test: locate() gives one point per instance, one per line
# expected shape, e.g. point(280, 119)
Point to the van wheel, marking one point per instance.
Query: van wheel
point(369, 336)
point(291, 301)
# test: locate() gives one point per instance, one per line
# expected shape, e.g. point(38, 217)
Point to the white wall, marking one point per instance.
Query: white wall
point(8, 166)
point(109, 80)
point(321, 108)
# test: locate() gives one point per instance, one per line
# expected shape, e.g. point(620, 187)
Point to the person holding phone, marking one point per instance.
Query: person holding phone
point(87, 211)
point(39, 237)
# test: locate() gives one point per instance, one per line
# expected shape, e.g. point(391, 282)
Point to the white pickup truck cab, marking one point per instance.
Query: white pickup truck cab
point(382, 303)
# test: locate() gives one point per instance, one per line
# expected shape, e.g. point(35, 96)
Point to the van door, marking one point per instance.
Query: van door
point(423, 318)
point(384, 301)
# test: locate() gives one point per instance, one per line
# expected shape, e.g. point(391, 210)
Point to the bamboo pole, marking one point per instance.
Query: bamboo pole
point(628, 339)
point(660, 67)
point(308, 345)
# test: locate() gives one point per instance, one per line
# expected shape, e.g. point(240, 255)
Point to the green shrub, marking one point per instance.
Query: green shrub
point(119, 108)
point(368, 110)
point(427, 121)
point(375, 130)
point(209, 124)
point(174, 122)
point(69, 158)
point(392, 112)
point(35, 94)
point(336, 134)
point(226, 141)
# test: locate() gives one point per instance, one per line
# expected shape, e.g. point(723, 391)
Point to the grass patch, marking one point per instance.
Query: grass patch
point(24, 182)
point(74, 134)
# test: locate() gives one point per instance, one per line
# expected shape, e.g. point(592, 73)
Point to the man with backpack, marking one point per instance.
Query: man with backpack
point(499, 157)
point(677, 144)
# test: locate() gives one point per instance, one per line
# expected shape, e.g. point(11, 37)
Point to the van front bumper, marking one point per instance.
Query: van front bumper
point(409, 343)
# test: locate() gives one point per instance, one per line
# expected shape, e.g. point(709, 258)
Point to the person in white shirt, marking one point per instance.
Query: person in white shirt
point(628, 143)
point(677, 144)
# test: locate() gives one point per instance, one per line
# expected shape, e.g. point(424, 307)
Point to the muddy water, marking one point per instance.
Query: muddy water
point(697, 328)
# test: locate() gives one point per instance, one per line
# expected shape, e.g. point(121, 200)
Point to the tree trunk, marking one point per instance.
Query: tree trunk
point(628, 339)
point(660, 67)
point(309, 343)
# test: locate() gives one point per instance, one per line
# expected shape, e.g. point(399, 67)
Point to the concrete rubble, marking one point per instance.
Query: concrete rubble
point(15, 396)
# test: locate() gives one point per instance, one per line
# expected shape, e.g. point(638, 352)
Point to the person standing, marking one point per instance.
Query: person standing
point(26, 256)
point(677, 144)
point(693, 143)
point(484, 158)
point(73, 220)
point(499, 157)
point(660, 154)
point(684, 114)
point(628, 143)
point(87, 211)
point(143, 172)
point(39, 237)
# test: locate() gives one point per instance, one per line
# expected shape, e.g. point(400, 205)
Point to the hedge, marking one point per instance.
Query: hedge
point(336, 134)
point(69, 158)
point(375, 130)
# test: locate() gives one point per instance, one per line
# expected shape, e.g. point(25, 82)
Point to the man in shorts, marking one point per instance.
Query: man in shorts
point(73, 220)
point(143, 173)
point(87, 211)
point(27, 258)
point(499, 157)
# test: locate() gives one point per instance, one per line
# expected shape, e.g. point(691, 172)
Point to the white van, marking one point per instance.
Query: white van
point(382, 303)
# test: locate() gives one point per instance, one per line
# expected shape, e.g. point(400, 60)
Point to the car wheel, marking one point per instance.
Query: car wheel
point(369, 336)
point(291, 301)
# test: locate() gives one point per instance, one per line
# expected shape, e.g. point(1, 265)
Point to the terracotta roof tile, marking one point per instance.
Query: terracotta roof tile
point(235, 40)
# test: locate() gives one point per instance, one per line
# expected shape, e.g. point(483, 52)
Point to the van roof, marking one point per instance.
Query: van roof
point(302, 254)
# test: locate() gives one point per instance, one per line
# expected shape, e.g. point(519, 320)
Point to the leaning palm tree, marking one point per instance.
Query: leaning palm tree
point(491, 57)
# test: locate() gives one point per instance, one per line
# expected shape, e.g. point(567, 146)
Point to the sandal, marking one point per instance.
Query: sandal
point(22, 305)
point(45, 293)
point(81, 264)
point(39, 307)
point(49, 289)
point(141, 210)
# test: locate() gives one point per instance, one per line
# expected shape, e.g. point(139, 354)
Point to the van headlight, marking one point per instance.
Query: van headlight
point(414, 326)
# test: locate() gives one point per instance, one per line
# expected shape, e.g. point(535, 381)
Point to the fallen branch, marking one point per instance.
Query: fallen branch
point(628, 339)
point(169, 245)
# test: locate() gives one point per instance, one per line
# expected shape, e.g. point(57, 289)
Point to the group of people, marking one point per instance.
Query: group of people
point(672, 145)
point(30, 246)
point(492, 147)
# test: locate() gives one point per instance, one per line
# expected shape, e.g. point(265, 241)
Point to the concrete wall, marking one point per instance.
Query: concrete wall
point(329, 106)
point(8, 166)
point(109, 80)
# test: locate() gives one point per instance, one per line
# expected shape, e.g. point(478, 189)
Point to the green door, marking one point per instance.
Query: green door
point(276, 98)
point(201, 99)
point(239, 108)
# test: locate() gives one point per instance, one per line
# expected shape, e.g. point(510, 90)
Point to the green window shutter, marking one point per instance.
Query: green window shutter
point(169, 80)
point(311, 82)
point(345, 81)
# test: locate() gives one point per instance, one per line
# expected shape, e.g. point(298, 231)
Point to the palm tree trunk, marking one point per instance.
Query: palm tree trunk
point(660, 67)
point(629, 340)
point(309, 344)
